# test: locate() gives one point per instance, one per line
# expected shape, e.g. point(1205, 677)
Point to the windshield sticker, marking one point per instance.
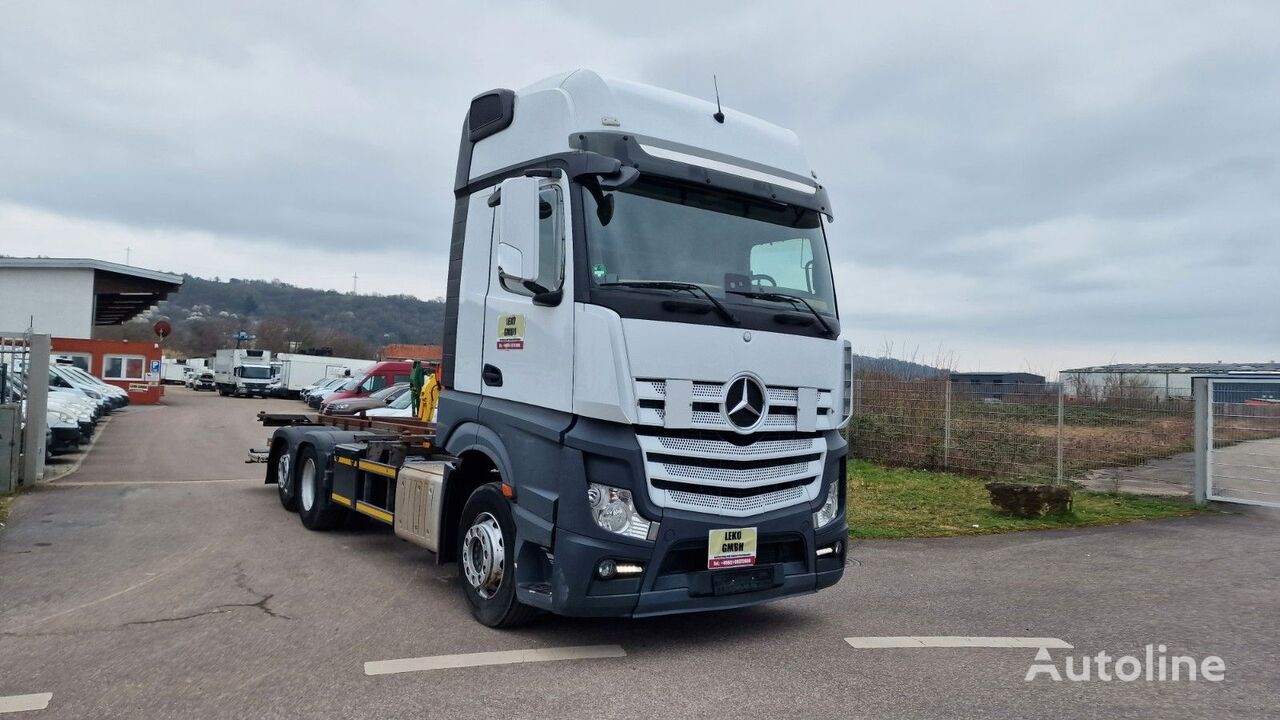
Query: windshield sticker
point(598, 271)
point(510, 332)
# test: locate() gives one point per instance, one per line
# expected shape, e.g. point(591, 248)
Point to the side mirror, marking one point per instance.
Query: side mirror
point(518, 228)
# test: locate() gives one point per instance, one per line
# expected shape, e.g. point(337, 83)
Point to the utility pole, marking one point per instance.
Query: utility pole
point(127, 252)
point(355, 280)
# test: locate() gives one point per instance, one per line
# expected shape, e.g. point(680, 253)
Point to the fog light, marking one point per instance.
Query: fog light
point(829, 550)
point(611, 569)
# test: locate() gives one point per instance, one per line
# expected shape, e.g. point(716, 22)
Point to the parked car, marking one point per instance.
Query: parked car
point(400, 407)
point(319, 396)
point(204, 381)
point(378, 376)
point(355, 406)
point(320, 386)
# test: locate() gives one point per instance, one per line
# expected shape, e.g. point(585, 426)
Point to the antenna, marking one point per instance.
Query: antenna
point(719, 116)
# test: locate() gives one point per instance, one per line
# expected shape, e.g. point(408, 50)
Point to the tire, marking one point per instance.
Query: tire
point(286, 485)
point(315, 509)
point(490, 591)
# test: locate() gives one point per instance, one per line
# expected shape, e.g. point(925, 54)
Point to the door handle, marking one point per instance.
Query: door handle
point(492, 376)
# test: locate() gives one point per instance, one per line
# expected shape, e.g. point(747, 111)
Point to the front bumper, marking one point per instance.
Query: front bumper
point(64, 438)
point(675, 578)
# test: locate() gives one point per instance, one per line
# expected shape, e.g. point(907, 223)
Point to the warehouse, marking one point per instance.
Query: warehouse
point(68, 297)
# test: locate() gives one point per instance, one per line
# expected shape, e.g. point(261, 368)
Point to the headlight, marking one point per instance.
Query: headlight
point(341, 406)
point(614, 511)
point(92, 394)
point(64, 417)
point(827, 513)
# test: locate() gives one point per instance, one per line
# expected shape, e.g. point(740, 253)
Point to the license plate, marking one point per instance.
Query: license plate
point(731, 548)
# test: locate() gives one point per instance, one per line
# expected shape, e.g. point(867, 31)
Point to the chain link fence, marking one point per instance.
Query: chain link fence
point(1129, 440)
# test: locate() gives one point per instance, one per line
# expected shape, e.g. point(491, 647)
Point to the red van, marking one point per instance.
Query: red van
point(376, 377)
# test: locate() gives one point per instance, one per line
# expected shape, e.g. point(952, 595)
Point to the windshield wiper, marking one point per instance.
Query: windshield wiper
point(783, 297)
point(677, 286)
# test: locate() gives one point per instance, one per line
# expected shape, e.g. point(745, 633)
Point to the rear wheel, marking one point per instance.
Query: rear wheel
point(315, 508)
point(285, 483)
point(486, 559)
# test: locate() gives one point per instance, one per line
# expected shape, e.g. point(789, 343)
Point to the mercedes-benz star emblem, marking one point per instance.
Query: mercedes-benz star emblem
point(745, 403)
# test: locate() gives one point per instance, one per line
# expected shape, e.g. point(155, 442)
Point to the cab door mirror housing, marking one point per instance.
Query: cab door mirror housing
point(518, 234)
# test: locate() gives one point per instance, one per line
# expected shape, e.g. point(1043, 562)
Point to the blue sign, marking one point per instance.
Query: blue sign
point(155, 366)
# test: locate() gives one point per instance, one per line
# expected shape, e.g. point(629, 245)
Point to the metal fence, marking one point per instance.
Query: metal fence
point(22, 407)
point(1129, 441)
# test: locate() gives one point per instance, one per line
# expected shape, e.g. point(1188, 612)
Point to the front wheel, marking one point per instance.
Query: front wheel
point(486, 559)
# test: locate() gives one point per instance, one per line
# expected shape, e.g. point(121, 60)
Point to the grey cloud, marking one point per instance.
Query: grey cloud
point(1112, 167)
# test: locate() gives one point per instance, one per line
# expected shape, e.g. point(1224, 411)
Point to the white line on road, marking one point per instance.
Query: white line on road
point(19, 703)
point(954, 641)
point(94, 483)
point(505, 657)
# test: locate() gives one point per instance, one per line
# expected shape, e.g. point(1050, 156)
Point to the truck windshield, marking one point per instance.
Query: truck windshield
point(666, 231)
point(255, 372)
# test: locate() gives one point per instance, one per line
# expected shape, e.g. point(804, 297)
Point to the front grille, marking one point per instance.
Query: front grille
point(727, 474)
point(705, 396)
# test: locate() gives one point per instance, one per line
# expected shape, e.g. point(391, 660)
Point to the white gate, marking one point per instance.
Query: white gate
point(1238, 439)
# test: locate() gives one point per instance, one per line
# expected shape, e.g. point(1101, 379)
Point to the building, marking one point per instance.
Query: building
point(131, 366)
point(429, 354)
point(1161, 381)
point(68, 297)
point(997, 384)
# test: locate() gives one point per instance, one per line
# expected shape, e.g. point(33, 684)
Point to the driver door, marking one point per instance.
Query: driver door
point(528, 347)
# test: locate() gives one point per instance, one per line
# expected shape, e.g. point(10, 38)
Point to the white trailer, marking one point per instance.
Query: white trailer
point(295, 372)
point(173, 371)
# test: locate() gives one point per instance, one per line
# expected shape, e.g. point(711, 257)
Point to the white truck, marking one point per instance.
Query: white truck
point(174, 372)
point(293, 371)
point(643, 380)
point(239, 371)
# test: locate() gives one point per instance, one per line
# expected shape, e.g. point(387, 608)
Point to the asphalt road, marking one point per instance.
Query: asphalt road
point(163, 580)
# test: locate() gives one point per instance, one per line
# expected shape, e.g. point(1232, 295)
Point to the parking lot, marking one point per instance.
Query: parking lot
point(162, 579)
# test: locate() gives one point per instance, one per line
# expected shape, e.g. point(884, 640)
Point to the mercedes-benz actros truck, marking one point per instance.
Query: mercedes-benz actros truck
point(643, 379)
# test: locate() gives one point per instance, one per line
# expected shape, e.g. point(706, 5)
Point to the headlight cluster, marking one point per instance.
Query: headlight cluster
point(613, 510)
point(830, 509)
point(64, 417)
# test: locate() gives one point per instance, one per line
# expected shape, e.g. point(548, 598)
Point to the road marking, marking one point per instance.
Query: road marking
point(91, 483)
point(19, 703)
point(505, 657)
point(954, 641)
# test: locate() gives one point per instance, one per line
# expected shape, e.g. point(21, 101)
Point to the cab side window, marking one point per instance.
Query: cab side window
point(550, 245)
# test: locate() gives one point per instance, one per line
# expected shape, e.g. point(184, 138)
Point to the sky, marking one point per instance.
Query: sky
point(1016, 186)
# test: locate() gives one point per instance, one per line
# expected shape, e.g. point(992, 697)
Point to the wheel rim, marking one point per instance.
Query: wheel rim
point(282, 473)
point(308, 484)
point(484, 555)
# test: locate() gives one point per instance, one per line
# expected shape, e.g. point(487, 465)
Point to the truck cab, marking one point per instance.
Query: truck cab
point(642, 343)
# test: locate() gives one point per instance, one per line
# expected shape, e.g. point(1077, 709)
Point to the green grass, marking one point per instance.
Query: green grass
point(896, 503)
